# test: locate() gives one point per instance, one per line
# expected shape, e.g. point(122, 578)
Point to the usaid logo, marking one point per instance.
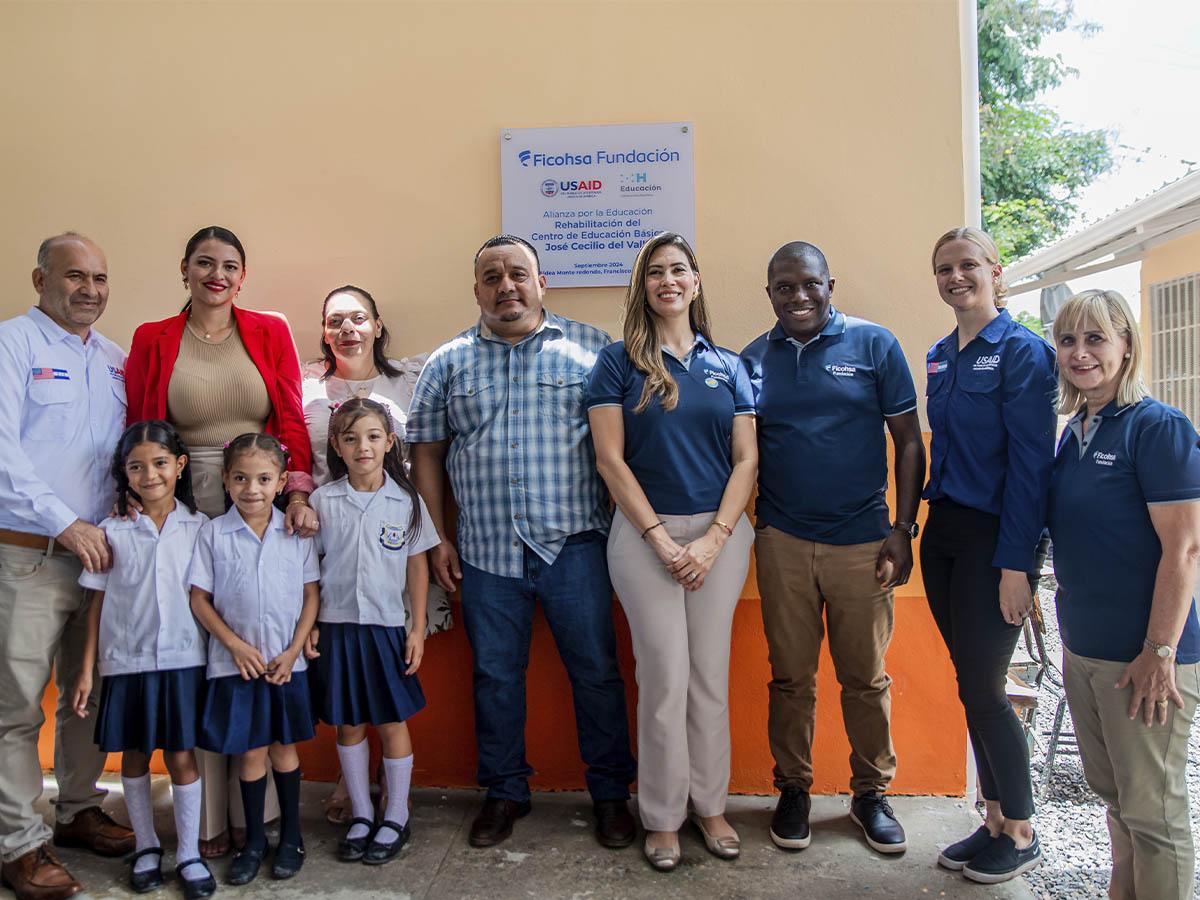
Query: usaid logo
point(841, 371)
point(986, 363)
point(1104, 459)
point(549, 187)
point(524, 156)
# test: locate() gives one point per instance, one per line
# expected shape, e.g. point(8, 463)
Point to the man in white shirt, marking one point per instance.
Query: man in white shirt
point(62, 409)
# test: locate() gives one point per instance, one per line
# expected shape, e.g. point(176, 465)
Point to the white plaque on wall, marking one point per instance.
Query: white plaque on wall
point(587, 197)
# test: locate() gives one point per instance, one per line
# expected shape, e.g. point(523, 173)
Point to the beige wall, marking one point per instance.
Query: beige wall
point(1172, 260)
point(357, 142)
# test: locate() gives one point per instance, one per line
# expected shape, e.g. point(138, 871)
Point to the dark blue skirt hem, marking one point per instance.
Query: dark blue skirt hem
point(242, 715)
point(359, 677)
point(148, 711)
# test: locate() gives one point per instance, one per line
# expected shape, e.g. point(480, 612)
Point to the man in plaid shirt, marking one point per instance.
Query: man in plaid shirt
point(500, 407)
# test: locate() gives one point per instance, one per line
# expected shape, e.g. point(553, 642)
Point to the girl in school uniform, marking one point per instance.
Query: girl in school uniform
point(151, 651)
point(254, 589)
point(374, 534)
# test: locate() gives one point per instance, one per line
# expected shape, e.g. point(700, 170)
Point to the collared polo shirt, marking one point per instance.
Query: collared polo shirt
point(683, 458)
point(365, 543)
point(146, 622)
point(991, 414)
point(62, 409)
point(822, 453)
point(520, 460)
point(257, 586)
point(1106, 551)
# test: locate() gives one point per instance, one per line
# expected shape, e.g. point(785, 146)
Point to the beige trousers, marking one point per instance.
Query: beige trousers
point(681, 644)
point(222, 804)
point(43, 626)
point(1139, 773)
point(806, 586)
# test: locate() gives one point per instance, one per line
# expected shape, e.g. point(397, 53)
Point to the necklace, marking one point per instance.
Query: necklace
point(206, 335)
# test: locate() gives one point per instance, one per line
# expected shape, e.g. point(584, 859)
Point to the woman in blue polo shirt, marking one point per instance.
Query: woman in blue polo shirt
point(1126, 529)
point(990, 400)
point(673, 423)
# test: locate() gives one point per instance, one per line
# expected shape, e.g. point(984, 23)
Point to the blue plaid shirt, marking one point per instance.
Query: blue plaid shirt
point(521, 459)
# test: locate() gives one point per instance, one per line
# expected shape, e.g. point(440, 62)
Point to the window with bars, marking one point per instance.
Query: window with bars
point(1175, 344)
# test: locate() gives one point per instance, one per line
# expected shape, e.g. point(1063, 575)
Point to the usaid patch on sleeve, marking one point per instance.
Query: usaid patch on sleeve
point(937, 368)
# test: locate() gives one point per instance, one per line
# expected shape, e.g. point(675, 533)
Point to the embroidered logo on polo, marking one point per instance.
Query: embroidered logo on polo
point(391, 537)
point(117, 374)
point(986, 363)
point(714, 378)
point(840, 370)
point(44, 374)
point(937, 368)
point(1101, 458)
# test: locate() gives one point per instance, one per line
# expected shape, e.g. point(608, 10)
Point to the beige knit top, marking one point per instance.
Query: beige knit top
point(216, 392)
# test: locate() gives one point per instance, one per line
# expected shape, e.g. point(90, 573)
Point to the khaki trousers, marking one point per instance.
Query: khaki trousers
point(681, 644)
point(799, 580)
point(43, 626)
point(222, 800)
point(1139, 773)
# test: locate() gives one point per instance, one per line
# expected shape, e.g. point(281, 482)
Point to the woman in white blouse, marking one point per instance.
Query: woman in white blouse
point(355, 363)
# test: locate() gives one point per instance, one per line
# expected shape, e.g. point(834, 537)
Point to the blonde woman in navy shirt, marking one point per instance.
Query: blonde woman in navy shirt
point(673, 422)
point(1125, 521)
point(990, 399)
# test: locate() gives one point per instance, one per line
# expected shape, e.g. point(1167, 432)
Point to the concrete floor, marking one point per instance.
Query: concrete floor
point(552, 854)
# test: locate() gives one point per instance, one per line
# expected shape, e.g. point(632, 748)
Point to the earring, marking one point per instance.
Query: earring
point(1127, 356)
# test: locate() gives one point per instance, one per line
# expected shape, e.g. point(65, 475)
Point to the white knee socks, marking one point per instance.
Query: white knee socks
point(356, 761)
point(399, 776)
point(186, 800)
point(141, 817)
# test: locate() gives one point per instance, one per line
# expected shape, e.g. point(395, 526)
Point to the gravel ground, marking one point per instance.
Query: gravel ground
point(1070, 818)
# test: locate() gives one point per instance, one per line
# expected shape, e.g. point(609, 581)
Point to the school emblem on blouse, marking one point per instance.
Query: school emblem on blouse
point(391, 537)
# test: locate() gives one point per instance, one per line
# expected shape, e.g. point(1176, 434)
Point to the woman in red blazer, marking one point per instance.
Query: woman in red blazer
point(215, 371)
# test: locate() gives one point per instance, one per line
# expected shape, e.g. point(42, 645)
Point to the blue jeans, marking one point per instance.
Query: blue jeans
point(576, 598)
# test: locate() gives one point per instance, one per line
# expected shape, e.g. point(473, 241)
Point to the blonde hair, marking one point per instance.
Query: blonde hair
point(1108, 312)
point(643, 343)
point(987, 247)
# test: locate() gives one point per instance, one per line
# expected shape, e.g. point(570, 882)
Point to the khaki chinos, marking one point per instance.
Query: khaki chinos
point(43, 626)
point(1140, 774)
point(799, 581)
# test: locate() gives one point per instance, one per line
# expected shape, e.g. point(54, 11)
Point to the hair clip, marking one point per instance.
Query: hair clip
point(226, 445)
point(283, 447)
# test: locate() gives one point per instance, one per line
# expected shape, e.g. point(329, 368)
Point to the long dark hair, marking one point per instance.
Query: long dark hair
point(255, 442)
point(393, 461)
point(224, 235)
point(153, 431)
point(378, 352)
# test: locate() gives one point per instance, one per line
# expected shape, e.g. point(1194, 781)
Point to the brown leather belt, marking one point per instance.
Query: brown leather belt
point(31, 541)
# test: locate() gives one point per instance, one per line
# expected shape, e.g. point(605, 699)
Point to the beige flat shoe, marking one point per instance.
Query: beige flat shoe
point(663, 859)
point(722, 847)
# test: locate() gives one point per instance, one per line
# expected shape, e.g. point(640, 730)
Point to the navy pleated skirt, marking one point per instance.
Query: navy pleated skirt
point(240, 715)
point(359, 676)
point(150, 711)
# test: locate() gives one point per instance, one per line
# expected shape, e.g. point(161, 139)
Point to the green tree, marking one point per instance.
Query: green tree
point(1032, 164)
point(1030, 321)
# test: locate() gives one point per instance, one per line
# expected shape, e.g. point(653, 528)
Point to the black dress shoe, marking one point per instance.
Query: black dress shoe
point(378, 852)
point(352, 849)
point(873, 814)
point(615, 826)
point(495, 821)
point(288, 860)
point(245, 865)
point(196, 888)
point(149, 879)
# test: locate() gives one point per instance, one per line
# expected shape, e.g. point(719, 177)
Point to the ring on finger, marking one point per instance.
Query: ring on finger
point(1160, 702)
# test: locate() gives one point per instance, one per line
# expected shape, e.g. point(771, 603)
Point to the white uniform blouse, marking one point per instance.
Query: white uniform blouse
point(146, 623)
point(257, 586)
point(365, 542)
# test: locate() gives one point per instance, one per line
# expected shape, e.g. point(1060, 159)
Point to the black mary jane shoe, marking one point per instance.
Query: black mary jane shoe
point(196, 888)
point(245, 865)
point(288, 860)
point(378, 853)
point(149, 880)
point(352, 849)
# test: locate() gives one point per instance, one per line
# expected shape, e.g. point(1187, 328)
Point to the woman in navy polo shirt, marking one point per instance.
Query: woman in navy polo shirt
point(1126, 529)
point(990, 400)
point(673, 423)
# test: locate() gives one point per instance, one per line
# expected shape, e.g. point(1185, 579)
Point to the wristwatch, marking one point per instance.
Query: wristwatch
point(1163, 651)
point(909, 528)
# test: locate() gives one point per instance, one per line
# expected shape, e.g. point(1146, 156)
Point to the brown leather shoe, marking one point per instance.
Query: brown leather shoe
point(94, 830)
point(495, 821)
point(38, 875)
